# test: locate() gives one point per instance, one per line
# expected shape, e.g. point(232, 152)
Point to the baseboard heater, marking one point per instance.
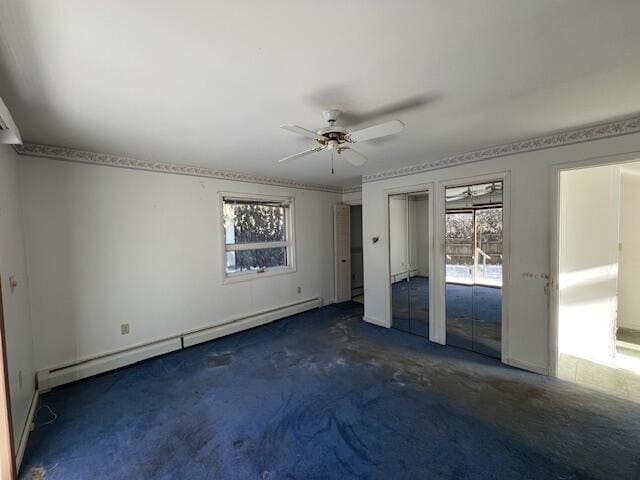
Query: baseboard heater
point(396, 277)
point(95, 365)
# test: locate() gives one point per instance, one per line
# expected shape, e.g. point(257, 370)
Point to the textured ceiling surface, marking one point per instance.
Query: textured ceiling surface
point(207, 83)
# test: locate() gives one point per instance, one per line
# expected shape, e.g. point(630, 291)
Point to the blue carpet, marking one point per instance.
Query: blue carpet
point(325, 395)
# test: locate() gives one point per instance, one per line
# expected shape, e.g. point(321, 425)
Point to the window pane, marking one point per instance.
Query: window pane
point(253, 223)
point(248, 260)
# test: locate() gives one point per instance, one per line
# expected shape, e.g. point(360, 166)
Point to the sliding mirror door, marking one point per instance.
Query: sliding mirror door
point(399, 262)
point(487, 287)
point(409, 262)
point(473, 249)
point(459, 268)
point(418, 238)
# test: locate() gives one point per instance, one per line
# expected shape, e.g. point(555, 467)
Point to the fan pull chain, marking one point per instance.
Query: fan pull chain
point(332, 162)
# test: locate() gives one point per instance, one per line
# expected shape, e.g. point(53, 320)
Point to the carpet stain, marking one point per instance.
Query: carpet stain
point(536, 393)
point(325, 395)
point(219, 359)
point(38, 473)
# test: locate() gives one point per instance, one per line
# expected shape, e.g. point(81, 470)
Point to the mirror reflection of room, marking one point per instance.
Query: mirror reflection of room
point(409, 262)
point(473, 250)
point(357, 263)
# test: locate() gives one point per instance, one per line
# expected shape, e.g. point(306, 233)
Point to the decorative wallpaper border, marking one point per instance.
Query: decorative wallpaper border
point(83, 156)
point(352, 188)
point(567, 137)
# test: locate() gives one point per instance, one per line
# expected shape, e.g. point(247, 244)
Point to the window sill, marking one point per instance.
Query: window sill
point(247, 276)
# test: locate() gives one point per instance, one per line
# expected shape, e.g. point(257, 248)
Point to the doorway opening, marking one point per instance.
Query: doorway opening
point(473, 267)
point(598, 329)
point(409, 249)
point(357, 261)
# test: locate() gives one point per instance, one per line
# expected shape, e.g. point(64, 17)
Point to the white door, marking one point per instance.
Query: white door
point(342, 252)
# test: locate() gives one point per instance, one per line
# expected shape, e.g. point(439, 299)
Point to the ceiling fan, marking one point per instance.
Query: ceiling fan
point(468, 192)
point(337, 139)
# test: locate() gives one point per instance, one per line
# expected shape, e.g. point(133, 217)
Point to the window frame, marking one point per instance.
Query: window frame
point(288, 243)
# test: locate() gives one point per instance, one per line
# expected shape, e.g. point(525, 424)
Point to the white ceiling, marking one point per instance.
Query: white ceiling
point(208, 82)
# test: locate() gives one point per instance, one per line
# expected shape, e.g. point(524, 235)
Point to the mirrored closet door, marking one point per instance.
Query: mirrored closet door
point(473, 251)
point(409, 262)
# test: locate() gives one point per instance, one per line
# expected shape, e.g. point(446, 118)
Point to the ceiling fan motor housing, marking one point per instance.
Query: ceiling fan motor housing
point(331, 115)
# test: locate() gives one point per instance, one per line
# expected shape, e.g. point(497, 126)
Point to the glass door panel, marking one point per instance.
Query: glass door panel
point(459, 278)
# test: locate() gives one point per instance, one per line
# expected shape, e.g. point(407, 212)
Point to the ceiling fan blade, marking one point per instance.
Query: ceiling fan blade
point(300, 131)
point(353, 157)
point(380, 130)
point(389, 109)
point(457, 197)
point(344, 97)
point(301, 154)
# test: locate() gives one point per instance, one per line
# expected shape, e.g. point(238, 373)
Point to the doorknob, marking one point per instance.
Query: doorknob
point(343, 260)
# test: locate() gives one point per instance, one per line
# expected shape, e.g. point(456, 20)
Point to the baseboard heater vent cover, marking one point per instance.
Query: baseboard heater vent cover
point(89, 367)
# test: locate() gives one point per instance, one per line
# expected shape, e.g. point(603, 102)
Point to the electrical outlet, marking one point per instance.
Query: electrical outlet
point(20, 378)
point(299, 290)
point(124, 329)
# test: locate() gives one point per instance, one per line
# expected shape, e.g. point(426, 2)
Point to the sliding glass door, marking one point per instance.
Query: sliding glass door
point(473, 249)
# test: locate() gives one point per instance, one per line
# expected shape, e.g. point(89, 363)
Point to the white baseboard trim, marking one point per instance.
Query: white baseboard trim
point(48, 379)
point(88, 367)
point(26, 430)
point(526, 366)
point(375, 321)
point(245, 323)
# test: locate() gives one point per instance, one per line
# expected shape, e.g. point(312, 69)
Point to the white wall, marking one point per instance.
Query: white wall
point(527, 340)
point(629, 259)
point(16, 303)
point(108, 246)
point(588, 283)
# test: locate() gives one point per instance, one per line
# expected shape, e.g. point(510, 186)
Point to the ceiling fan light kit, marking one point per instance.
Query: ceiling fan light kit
point(338, 139)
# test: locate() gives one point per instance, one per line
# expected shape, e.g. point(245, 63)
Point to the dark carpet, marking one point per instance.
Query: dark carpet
point(325, 395)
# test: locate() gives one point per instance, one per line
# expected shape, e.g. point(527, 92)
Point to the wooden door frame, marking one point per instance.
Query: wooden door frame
point(8, 458)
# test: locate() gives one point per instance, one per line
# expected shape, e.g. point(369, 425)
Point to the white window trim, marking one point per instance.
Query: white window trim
point(290, 243)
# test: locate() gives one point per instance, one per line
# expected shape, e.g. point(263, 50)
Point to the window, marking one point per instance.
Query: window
point(257, 235)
